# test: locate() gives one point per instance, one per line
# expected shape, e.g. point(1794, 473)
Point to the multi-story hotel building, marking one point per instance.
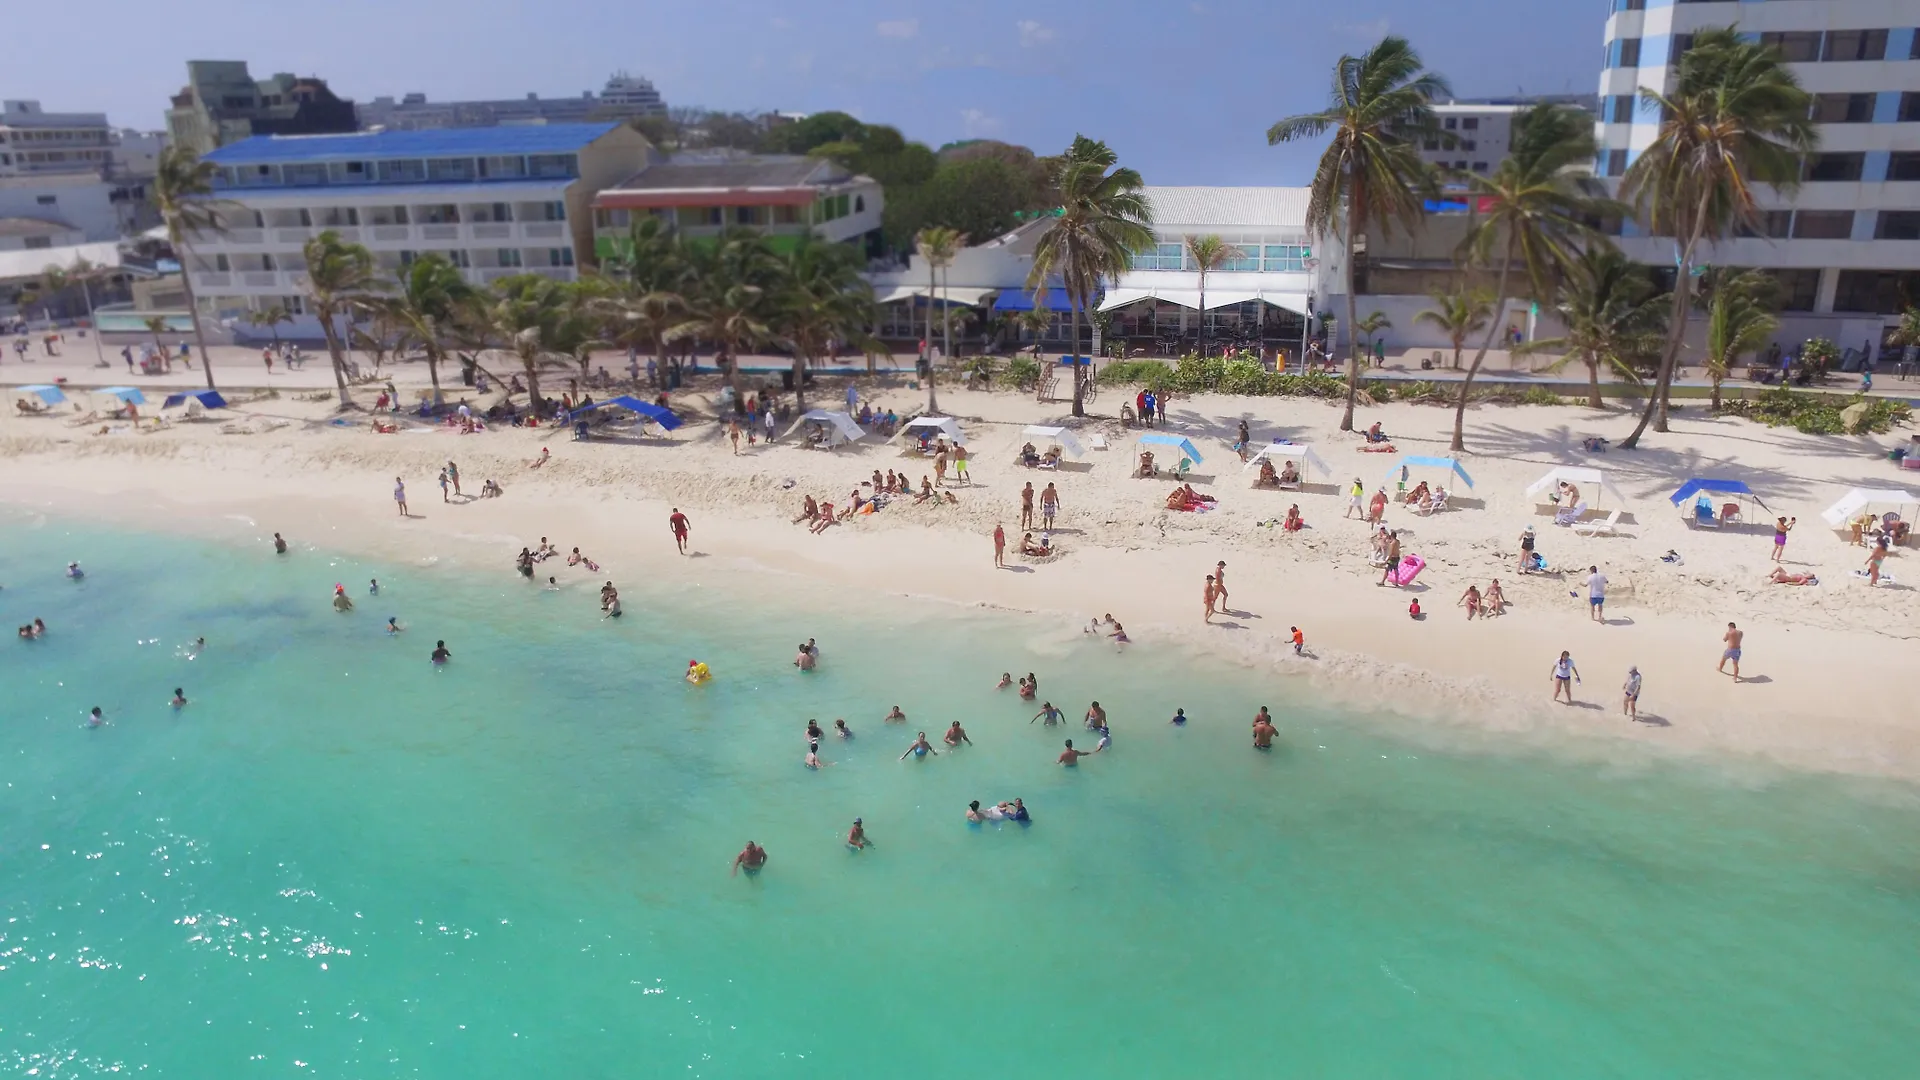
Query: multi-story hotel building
point(494, 201)
point(1846, 246)
point(702, 194)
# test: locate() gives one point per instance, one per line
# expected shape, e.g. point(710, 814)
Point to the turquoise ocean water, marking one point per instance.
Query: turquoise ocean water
point(341, 862)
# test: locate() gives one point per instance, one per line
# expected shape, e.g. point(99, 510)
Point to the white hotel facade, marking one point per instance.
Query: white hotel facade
point(1846, 246)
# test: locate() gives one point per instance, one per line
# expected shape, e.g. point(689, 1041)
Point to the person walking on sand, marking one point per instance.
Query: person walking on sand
point(400, 495)
point(453, 474)
point(1026, 506)
point(1220, 583)
point(1781, 527)
point(1731, 639)
point(1378, 507)
point(1630, 694)
point(1355, 497)
point(443, 486)
point(1392, 574)
point(1597, 595)
point(1208, 598)
point(681, 528)
point(1875, 557)
point(999, 545)
point(960, 466)
point(1565, 674)
point(733, 436)
point(1049, 506)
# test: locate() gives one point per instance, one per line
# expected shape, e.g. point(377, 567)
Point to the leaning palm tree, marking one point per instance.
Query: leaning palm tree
point(1380, 108)
point(1207, 254)
point(58, 279)
point(539, 322)
point(1535, 208)
point(1459, 315)
point(157, 325)
point(1740, 320)
point(1907, 334)
point(183, 193)
point(1736, 119)
point(340, 281)
point(653, 271)
point(1371, 324)
point(428, 298)
point(938, 246)
point(1104, 219)
point(269, 317)
point(822, 298)
point(1613, 317)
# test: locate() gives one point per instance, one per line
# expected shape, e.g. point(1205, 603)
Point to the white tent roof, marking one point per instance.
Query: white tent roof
point(838, 422)
point(1859, 499)
point(957, 294)
point(1296, 452)
point(1119, 298)
point(1059, 435)
point(946, 425)
point(1580, 476)
point(15, 265)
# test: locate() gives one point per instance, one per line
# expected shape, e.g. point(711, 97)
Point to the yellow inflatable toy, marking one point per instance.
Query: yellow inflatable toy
point(697, 672)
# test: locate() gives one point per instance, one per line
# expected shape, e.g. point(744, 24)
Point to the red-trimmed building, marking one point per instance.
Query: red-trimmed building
point(783, 197)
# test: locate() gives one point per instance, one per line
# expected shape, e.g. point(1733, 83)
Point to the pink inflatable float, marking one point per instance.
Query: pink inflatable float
point(1410, 567)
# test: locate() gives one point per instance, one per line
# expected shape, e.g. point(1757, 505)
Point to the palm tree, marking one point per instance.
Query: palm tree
point(1740, 320)
point(822, 298)
point(1380, 108)
point(653, 270)
point(1907, 334)
point(340, 281)
point(1459, 315)
point(183, 193)
point(1371, 324)
point(58, 279)
point(733, 303)
point(541, 323)
point(1104, 219)
point(1536, 206)
point(1612, 314)
point(1735, 119)
point(938, 246)
point(1207, 254)
point(270, 317)
point(429, 296)
point(157, 325)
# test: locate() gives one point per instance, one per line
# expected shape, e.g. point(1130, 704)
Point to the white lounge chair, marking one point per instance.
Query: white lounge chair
point(1568, 517)
point(1098, 442)
point(1607, 526)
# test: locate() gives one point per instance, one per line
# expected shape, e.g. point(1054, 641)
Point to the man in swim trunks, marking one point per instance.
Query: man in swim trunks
point(804, 659)
point(179, 698)
point(895, 716)
point(920, 748)
point(677, 522)
point(1630, 694)
point(1392, 574)
point(1049, 713)
point(1071, 757)
point(957, 735)
point(1026, 506)
point(1096, 717)
point(857, 836)
point(279, 545)
point(1733, 637)
point(440, 653)
point(1263, 731)
point(751, 858)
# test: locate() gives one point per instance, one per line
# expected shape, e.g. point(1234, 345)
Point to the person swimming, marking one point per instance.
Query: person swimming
point(697, 672)
point(340, 601)
point(841, 729)
point(896, 716)
point(1006, 680)
point(920, 748)
point(1050, 714)
point(179, 698)
point(440, 653)
point(393, 624)
point(194, 649)
point(857, 836)
point(1179, 718)
point(74, 572)
point(96, 718)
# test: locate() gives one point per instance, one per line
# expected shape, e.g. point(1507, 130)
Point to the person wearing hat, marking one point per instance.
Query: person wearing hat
point(857, 836)
point(1526, 550)
point(74, 571)
point(1630, 694)
point(340, 600)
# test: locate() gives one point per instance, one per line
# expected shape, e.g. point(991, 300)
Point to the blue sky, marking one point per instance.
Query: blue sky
point(1183, 89)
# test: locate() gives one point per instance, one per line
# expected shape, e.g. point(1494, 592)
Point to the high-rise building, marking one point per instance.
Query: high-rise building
point(1482, 130)
point(222, 103)
point(1845, 246)
point(624, 97)
point(34, 142)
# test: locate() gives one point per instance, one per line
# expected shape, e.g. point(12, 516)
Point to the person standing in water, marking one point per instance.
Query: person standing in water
point(920, 748)
point(751, 859)
point(279, 545)
point(1050, 714)
point(179, 698)
point(1071, 757)
point(341, 602)
point(440, 653)
point(857, 836)
point(957, 735)
point(1263, 730)
point(96, 717)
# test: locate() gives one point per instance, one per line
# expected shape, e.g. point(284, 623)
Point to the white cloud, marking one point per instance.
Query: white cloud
point(1372, 29)
point(976, 124)
point(1033, 33)
point(898, 28)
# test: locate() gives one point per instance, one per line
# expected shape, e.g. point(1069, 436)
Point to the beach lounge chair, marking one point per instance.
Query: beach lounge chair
point(1607, 526)
point(1730, 514)
point(1568, 517)
point(1098, 442)
point(1703, 516)
point(1439, 504)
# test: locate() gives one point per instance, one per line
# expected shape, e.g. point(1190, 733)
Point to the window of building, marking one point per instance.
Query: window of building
point(1460, 165)
point(1898, 225)
point(1480, 166)
point(304, 175)
point(508, 256)
point(459, 258)
point(451, 169)
point(35, 243)
point(1469, 145)
point(1876, 292)
point(612, 219)
point(222, 264)
point(1430, 144)
point(503, 168)
point(1843, 108)
point(1769, 225)
point(1247, 260)
point(1846, 167)
point(559, 256)
point(1616, 163)
point(402, 172)
point(1470, 123)
point(1629, 5)
point(1159, 257)
point(1909, 103)
point(1629, 49)
point(786, 215)
point(746, 215)
point(1796, 46)
point(1799, 288)
point(1823, 225)
point(1619, 109)
point(553, 165)
point(46, 200)
point(693, 217)
point(1903, 166)
point(859, 204)
point(408, 258)
point(267, 263)
point(1452, 122)
point(1856, 45)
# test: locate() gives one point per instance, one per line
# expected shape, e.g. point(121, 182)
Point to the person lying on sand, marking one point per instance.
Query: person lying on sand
point(1781, 577)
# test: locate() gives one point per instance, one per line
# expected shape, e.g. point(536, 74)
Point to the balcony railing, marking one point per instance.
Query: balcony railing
point(392, 233)
point(439, 232)
point(260, 279)
point(295, 235)
point(212, 280)
point(492, 230)
point(241, 236)
point(544, 230)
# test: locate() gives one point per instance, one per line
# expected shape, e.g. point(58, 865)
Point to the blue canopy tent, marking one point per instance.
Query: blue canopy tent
point(1053, 299)
point(1415, 461)
point(48, 395)
point(646, 410)
point(1701, 490)
point(128, 395)
point(208, 399)
point(1178, 442)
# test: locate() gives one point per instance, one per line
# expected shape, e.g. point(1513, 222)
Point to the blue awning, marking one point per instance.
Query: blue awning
point(1417, 462)
point(663, 417)
point(210, 399)
point(1183, 444)
point(1701, 485)
point(49, 394)
point(128, 394)
point(1022, 300)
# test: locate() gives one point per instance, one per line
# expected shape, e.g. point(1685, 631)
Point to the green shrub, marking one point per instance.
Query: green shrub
point(1245, 377)
point(1131, 372)
point(1817, 357)
point(1539, 395)
point(1023, 372)
point(1818, 414)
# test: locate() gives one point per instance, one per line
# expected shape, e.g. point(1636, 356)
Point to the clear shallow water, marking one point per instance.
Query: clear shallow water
point(341, 862)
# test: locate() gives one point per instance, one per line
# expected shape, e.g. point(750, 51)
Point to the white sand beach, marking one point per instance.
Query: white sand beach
point(1821, 662)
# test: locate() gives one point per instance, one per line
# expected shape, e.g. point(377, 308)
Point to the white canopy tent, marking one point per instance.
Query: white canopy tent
point(970, 295)
point(1860, 500)
point(1190, 298)
point(837, 427)
point(935, 426)
point(1058, 435)
point(1581, 477)
point(1299, 453)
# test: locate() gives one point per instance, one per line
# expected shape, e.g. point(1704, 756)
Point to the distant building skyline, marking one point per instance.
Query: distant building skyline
point(624, 96)
point(222, 103)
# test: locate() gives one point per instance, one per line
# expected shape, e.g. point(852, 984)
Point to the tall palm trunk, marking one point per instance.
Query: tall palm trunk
point(532, 366)
point(1353, 369)
point(1493, 328)
point(1682, 290)
point(433, 369)
point(1593, 382)
point(800, 361)
point(193, 312)
point(933, 290)
point(1073, 357)
point(1205, 329)
point(334, 354)
point(946, 322)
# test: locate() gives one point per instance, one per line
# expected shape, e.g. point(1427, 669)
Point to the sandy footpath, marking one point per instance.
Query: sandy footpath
point(1821, 662)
